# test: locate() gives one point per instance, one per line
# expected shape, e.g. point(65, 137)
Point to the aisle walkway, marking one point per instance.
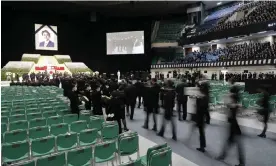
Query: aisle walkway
point(259, 152)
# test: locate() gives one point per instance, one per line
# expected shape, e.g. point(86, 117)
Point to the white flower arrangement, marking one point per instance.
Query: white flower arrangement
point(19, 65)
point(75, 67)
point(62, 57)
point(35, 56)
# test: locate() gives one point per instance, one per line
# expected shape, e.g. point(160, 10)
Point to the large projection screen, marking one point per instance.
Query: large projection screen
point(46, 37)
point(131, 42)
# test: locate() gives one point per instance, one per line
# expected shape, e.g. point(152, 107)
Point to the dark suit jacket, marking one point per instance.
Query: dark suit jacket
point(50, 44)
point(130, 93)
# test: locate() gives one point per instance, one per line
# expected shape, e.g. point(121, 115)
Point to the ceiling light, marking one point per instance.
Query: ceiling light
point(219, 3)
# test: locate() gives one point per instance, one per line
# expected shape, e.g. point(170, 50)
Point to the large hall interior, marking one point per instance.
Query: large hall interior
point(138, 83)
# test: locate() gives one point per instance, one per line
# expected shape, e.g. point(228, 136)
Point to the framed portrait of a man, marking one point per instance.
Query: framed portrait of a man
point(46, 37)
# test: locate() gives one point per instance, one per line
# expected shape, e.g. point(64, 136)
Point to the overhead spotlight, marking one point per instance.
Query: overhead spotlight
point(219, 3)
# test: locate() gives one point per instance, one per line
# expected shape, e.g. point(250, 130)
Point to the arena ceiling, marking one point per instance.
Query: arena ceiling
point(111, 8)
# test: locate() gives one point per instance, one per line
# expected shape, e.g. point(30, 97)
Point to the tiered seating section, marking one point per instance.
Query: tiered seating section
point(169, 32)
point(248, 101)
point(264, 11)
point(38, 130)
point(246, 51)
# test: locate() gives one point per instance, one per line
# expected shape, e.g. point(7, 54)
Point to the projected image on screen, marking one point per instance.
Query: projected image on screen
point(131, 42)
point(46, 37)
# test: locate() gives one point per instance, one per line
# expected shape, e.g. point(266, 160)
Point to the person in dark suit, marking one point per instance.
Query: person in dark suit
point(169, 97)
point(234, 130)
point(182, 99)
point(148, 105)
point(96, 101)
point(155, 96)
point(265, 110)
point(87, 94)
point(130, 94)
point(47, 43)
point(74, 99)
point(139, 87)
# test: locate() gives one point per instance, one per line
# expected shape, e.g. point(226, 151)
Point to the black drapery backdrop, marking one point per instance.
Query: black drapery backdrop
point(83, 40)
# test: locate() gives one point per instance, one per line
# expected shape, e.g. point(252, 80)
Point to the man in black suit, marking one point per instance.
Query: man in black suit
point(155, 95)
point(182, 99)
point(74, 99)
point(139, 88)
point(130, 94)
point(169, 97)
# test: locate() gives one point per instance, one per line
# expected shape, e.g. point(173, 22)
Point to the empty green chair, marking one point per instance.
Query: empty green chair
point(88, 137)
point(37, 122)
point(5, 113)
point(145, 158)
point(95, 123)
point(4, 119)
point(85, 115)
point(15, 136)
point(17, 117)
point(48, 108)
point(32, 116)
point(3, 128)
point(70, 118)
point(78, 126)
point(63, 112)
point(54, 120)
point(59, 129)
point(56, 160)
point(32, 110)
point(162, 157)
point(17, 112)
point(22, 124)
point(110, 131)
point(133, 163)
point(43, 146)
point(79, 157)
point(38, 132)
point(128, 144)
point(104, 152)
point(48, 114)
point(67, 141)
point(15, 152)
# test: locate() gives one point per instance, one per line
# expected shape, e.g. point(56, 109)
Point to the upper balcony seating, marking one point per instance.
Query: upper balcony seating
point(169, 32)
point(221, 13)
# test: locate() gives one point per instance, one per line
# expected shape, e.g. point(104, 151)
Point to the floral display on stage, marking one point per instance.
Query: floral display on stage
point(30, 57)
point(63, 58)
point(76, 67)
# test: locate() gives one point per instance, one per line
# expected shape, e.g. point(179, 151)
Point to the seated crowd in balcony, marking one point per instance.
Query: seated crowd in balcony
point(240, 77)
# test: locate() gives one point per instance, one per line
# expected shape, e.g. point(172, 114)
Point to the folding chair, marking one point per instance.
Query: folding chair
point(59, 129)
point(78, 126)
point(109, 131)
point(32, 116)
point(17, 117)
point(4, 119)
point(43, 146)
point(55, 160)
point(38, 132)
point(22, 124)
point(88, 137)
point(70, 118)
point(144, 159)
point(80, 157)
point(15, 136)
point(104, 152)
point(48, 114)
point(15, 152)
point(37, 122)
point(162, 157)
point(67, 141)
point(54, 120)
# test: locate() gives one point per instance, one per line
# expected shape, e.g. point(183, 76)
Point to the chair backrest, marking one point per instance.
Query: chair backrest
point(88, 137)
point(29, 163)
point(156, 147)
point(95, 123)
point(5, 113)
point(31, 116)
point(22, 124)
point(54, 120)
point(67, 141)
point(17, 112)
point(78, 126)
point(15, 152)
point(128, 144)
point(15, 136)
point(162, 157)
point(47, 114)
point(37, 122)
point(58, 159)
point(59, 129)
point(110, 131)
point(32, 109)
point(17, 117)
point(38, 132)
point(4, 127)
point(70, 118)
point(79, 157)
point(104, 151)
point(43, 146)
